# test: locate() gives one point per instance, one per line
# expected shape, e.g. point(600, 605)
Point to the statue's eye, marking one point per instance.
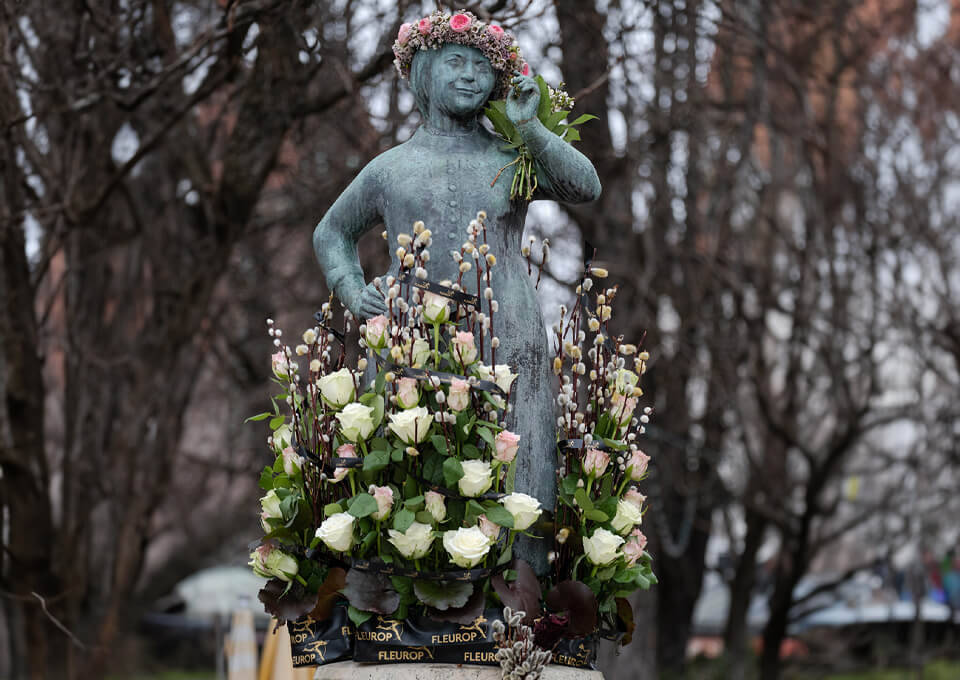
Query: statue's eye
point(455, 61)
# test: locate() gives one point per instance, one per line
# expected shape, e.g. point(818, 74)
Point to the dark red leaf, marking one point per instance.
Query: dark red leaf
point(289, 605)
point(371, 592)
point(625, 612)
point(329, 593)
point(550, 629)
point(522, 594)
point(579, 601)
point(468, 613)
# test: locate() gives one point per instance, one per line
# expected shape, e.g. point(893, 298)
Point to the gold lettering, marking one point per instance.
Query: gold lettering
point(452, 638)
point(399, 655)
point(479, 657)
point(346, 631)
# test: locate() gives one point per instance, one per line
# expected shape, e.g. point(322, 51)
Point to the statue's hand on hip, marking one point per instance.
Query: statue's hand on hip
point(369, 303)
point(523, 100)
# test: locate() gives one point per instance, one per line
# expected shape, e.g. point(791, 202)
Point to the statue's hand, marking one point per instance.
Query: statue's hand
point(369, 303)
point(523, 99)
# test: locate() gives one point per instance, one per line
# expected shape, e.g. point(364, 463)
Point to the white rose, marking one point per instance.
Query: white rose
point(415, 542)
point(270, 562)
point(504, 377)
point(337, 388)
point(408, 393)
point(411, 425)
point(270, 505)
point(356, 421)
point(525, 509)
point(467, 547)
point(282, 438)
point(336, 531)
point(476, 477)
point(628, 516)
point(421, 352)
point(603, 547)
point(435, 505)
point(435, 309)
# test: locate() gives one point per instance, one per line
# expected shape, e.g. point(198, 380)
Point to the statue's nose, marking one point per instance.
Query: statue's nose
point(468, 73)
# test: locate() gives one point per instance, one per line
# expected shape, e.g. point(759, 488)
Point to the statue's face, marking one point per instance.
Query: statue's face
point(462, 80)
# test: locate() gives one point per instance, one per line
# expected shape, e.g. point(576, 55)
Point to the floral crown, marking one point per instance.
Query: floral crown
point(462, 28)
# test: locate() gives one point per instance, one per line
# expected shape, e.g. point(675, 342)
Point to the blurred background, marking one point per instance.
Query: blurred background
point(780, 210)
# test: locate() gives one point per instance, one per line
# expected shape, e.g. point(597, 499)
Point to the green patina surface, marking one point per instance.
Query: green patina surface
point(442, 175)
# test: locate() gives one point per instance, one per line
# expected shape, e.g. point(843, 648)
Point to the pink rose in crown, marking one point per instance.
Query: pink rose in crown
point(525, 69)
point(404, 33)
point(638, 464)
point(383, 495)
point(495, 31)
point(635, 497)
point(506, 444)
point(424, 26)
point(595, 462)
point(344, 451)
point(459, 397)
point(460, 22)
point(633, 548)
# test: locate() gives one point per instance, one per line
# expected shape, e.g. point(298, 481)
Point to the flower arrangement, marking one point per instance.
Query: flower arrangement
point(599, 555)
point(554, 109)
point(390, 484)
point(462, 28)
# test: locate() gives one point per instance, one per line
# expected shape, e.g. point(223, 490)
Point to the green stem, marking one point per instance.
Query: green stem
point(436, 346)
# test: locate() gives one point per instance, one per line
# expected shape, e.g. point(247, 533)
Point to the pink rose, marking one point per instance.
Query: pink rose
point(404, 33)
point(637, 465)
point(408, 393)
point(489, 529)
point(595, 462)
point(525, 69)
point(621, 408)
point(291, 461)
point(376, 335)
point(424, 26)
point(635, 497)
point(460, 22)
point(495, 30)
point(459, 396)
point(344, 451)
point(280, 364)
point(383, 495)
point(464, 348)
point(633, 549)
point(506, 444)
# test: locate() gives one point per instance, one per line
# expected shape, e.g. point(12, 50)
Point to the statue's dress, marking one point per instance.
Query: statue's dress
point(444, 181)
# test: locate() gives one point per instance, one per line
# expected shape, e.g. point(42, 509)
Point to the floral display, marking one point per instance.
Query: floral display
point(390, 490)
point(395, 471)
point(462, 28)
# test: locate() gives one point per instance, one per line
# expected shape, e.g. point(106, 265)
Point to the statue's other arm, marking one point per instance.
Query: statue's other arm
point(335, 243)
point(563, 173)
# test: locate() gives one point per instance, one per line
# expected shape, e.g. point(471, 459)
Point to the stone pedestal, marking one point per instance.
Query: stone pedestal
point(349, 670)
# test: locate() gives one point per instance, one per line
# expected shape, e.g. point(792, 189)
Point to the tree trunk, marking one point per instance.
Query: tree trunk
point(736, 633)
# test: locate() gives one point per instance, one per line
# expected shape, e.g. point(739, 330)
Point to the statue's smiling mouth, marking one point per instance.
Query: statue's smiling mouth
point(467, 90)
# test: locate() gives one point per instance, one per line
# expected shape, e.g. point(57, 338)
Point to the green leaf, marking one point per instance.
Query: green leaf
point(266, 478)
point(580, 120)
point(627, 575)
point(277, 422)
point(397, 455)
point(402, 584)
point(452, 471)
point(332, 509)
point(497, 114)
point(439, 443)
point(379, 443)
point(554, 119)
point(498, 514)
point(607, 574)
point(569, 484)
point(583, 500)
point(571, 135)
point(376, 460)
point(443, 595)
point(471, 452)
point(505, 556)
point(486, 434)
point(596, 515)
point(380, 381)
point(424, 517)
point(545, 106)
point(472, 512)
point(413, 502)
point(358, 616)
point(403, 519)
point(258, 417)
point(433, 467)
point(362, 505)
